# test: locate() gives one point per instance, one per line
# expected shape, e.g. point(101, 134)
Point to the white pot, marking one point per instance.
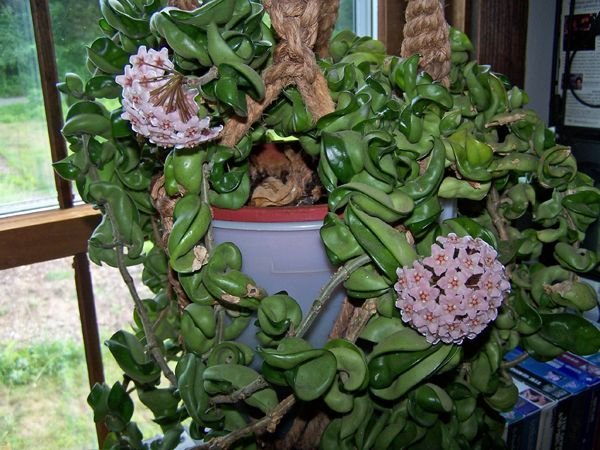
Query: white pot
point(282, 250)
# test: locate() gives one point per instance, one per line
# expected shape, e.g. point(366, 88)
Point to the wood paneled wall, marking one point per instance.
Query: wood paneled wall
point(498, 29)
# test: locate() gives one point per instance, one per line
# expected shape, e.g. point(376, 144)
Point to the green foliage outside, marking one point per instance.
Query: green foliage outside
point(18, 71)
point(45, 383)
point(72, 26)
point(24, 110)
point(25, 167)
point(345, 16)
point(26, 365)
point(17, 53)
point(26, 172)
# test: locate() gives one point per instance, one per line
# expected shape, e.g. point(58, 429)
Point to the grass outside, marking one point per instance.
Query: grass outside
point(40, 390)
point(25, 162)
point(43, 390)
point(43, 376)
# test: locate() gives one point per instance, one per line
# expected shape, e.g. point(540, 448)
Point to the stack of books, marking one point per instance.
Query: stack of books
point(558, 405)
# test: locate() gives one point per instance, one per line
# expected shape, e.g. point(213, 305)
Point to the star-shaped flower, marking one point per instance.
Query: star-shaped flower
point(159, 103)
point(455, 293)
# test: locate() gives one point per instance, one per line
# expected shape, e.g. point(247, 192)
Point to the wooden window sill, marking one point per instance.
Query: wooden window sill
point(47, 235)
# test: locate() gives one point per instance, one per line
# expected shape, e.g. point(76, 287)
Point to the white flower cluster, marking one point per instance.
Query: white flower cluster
point(454, 293)
point(172, 123)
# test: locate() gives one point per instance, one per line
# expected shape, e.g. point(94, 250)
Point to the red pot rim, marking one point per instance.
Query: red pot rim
point(303, 213)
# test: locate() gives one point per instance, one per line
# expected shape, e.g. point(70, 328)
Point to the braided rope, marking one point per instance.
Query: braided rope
point(328, 18)
point(426, 33)
point(297, 25)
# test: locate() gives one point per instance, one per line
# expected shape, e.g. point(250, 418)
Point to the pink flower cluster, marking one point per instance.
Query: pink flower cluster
point(454, 293)
point(172, 121)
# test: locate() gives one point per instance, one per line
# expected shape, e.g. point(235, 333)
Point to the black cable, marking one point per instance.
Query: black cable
point(570, 55)
point(571, 90)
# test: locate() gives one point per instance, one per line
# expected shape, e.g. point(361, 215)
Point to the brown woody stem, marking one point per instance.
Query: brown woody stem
point(360, 318)
point(209, 240)
point(241, 394)
point(493, 202)
point(267, 423)
point(338, 278)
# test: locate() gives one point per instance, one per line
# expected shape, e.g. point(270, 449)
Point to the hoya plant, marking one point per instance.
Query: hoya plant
point(166, 128)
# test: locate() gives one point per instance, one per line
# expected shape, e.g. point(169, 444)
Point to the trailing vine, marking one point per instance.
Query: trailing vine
point(416, 356)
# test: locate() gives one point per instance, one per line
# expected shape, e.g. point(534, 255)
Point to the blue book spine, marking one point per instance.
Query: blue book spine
point(590, 373)
point(522, 425)
point(575, 421)
point(555, 424)
point(546, 406)
point(554, 431)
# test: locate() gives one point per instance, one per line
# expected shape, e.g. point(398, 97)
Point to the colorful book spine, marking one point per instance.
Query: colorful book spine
point(574, 418)
point(589, 372)
point(522, 425)
point(533, 429)
point(560, 388)
point(552, 427)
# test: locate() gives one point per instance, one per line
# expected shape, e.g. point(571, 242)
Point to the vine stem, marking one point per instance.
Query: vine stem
point(269, 422)
point(148, 327)
point(507, 119)
point(209, 240)
point(360, 318)
point(492, 208)
point(197, 82)
point(220, 314)
point(151, 340)
point(339, 277)
point(514, 362)
point(245, 392)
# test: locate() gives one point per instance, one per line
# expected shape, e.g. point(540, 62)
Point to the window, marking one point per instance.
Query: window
point(42, 362)
point(25, 157)
point(26, 180)
point(358, 15)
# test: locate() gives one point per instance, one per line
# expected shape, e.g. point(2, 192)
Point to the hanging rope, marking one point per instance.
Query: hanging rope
point(297, 25)
point(426, 32)
point(328, 18)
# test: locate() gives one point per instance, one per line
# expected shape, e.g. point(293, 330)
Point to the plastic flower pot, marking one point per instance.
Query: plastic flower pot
point(283, 251)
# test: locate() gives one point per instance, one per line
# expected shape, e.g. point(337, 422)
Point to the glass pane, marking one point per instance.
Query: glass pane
point(74, 26)
point(345, 15)
point(26, 179)
point(356, 15)
point(43, 374)
point(43, 377)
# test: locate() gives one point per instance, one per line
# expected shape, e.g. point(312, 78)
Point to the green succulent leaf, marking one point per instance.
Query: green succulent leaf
point(129, 353)
point(571, 332)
